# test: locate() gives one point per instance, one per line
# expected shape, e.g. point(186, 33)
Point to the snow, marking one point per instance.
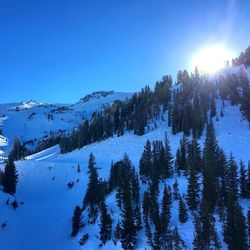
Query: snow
point(30, 121)
point(44, 220)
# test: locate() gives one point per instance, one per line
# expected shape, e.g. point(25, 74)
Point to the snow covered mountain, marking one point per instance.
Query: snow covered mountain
point(34, 120)
point(43, 218)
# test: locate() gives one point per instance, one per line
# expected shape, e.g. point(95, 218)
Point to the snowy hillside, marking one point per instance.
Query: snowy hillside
point(34, 120)
point(44, 219)
point(51, 184)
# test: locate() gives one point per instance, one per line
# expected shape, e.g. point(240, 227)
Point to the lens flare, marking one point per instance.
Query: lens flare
point(212, 58)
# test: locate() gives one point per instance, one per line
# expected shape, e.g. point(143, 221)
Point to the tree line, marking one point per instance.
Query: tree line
point(216, 184)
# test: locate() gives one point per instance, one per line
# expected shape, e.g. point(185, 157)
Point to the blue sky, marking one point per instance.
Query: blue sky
point(59, 51)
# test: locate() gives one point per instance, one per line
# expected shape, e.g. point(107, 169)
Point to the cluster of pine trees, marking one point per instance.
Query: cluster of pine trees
point(130, 115)
point(190, 104)
point(243, 59)
point(215, 186)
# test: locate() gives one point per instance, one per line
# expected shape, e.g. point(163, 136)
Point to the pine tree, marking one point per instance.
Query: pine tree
point(212, 108)
point(166, 210)
point(193, 190)
point(197, 119)
point(210, 162)
point(128, 235)
point(105, 224)
point(183, 215)
point(146, 162)
point(168, 166)
point(205, 236)
point(76, 221)
point(136, 198)
point(118, 232)
point(10, 177)
point(94, 193)
point(235, 225)
point(243, 181)
point(183, 154)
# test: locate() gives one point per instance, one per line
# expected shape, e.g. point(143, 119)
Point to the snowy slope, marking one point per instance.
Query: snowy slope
point(44, 220)
point(33, 120)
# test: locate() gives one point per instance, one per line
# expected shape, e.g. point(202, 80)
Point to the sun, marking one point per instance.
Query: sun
point(212, 58)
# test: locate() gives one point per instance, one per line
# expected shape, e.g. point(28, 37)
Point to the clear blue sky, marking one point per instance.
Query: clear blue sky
point(58, 51)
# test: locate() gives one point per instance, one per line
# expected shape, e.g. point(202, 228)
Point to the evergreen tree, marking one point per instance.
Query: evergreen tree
point(76, 221)
point(212, 108)
point(10, 177)
point(243, 181)
point(183, 215)
point(193, 190)
point(105, 224)
point(94, 193)
point(197, 119)
point(168, 166)
point(146, 162)
point(128, 235)
point(205, 236)
point(166, 210)
point(210, 162)
point(235, 225)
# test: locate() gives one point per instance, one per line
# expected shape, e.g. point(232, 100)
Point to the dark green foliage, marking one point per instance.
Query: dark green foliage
point(166, 210)
point(128, 235)
point(210, 167)
point(9, 177)
point(243, 181)
point(105, 224)
point(94, 193)
point(183, 215)
point(194, 160)
point(167, 159)
point(212, 107)
point(76, 221)
point(18, 151)
point(235, 225)
point(146, 162)
point(198, 119)
point(205, 236)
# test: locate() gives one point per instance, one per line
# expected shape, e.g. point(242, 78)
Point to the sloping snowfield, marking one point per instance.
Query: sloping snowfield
point(44, 220)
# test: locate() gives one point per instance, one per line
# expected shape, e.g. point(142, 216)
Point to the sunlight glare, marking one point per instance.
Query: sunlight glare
point(211, 59)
